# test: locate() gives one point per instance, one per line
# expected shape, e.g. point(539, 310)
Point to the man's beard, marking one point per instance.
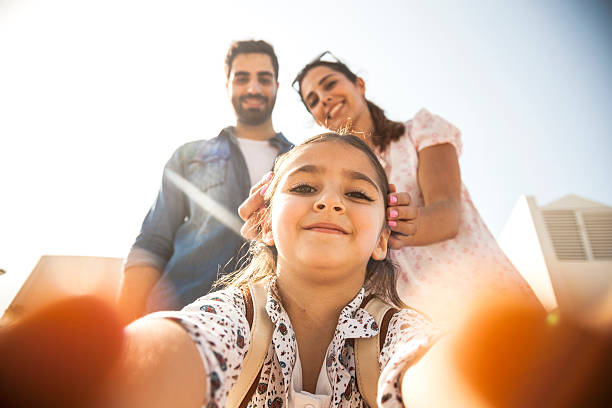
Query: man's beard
point(253, 117)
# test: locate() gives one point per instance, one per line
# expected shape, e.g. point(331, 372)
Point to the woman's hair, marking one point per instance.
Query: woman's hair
point(380, 274)
point(385, 130)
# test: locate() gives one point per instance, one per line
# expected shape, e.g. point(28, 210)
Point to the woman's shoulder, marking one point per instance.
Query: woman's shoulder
point(426, 129)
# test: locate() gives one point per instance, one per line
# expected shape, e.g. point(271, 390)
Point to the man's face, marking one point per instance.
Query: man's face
point(252, 88)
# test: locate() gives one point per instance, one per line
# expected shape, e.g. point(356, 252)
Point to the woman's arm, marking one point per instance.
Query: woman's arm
point(159, 366)
point(439, 178)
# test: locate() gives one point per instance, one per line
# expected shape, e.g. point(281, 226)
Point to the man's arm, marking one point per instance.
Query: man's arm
point(153, 247)
point(134, 289)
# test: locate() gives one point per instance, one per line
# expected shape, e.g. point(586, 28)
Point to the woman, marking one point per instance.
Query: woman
point(445, 253)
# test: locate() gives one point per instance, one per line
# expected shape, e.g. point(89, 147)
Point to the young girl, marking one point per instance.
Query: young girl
point(322, 245)
point(445, 253)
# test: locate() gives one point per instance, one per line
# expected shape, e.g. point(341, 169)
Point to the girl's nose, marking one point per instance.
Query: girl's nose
point(326, 100)
point(329, 202)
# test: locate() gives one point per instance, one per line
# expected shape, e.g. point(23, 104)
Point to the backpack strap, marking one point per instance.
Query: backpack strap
point(261, 336)
point(367, 350)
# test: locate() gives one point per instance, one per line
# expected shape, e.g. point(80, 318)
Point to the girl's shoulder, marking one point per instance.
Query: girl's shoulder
point(229, 299)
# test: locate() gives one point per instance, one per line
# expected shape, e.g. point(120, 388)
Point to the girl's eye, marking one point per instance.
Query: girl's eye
point(313, 103)
point(303, 189)
point(360, 195)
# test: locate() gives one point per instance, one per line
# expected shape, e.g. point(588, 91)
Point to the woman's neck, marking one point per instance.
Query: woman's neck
point(364, 127)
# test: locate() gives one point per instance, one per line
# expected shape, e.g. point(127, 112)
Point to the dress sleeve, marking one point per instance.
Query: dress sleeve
point(429, 130)
point(409, 336)
point(218, 327)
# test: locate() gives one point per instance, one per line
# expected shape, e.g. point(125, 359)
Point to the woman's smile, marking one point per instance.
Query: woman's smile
point(334, 110)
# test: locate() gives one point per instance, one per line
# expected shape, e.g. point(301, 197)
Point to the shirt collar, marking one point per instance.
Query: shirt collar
point(278, 140)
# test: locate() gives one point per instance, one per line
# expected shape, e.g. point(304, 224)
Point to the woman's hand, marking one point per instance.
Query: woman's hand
point(401, 217)
point(249, 210)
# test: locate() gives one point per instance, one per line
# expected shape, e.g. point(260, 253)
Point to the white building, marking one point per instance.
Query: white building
point(563, 249)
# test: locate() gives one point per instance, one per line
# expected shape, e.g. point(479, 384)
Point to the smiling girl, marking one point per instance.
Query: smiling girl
point(323, 244)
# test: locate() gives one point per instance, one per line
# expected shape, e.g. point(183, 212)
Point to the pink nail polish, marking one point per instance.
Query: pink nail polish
point(393, 199)
point(269, 176)
point(262, 192)
point(392, 223)
point(393, 213)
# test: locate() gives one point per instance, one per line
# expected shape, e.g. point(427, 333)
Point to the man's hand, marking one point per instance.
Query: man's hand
point(249, 210)
point(401, 217)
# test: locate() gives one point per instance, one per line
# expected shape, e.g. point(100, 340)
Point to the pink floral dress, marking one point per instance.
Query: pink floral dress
point(218, 326)
point(441, 279)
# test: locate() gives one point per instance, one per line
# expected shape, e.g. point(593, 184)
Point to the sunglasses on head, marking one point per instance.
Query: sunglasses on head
point(325, 56)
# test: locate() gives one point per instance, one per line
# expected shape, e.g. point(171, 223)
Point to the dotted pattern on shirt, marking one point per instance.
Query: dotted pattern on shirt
point(217, 324)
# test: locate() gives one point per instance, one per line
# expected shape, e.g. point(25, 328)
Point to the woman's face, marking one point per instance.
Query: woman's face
point(333, 100)
point(328, 211)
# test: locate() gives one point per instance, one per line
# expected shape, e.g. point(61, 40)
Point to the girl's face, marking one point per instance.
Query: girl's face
point(328, 211)
point(333, 100)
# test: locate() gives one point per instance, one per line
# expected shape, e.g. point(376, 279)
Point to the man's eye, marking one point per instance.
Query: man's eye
point(241, 80)
point(265, 81)
point(303, 189)
point(360, 195)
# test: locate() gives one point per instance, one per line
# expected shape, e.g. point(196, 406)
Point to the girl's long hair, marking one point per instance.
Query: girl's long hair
point(380, 275)
point(385, 130)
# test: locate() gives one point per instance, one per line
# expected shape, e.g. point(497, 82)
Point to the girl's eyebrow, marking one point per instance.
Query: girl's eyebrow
point(352, 174)
point(356, 175)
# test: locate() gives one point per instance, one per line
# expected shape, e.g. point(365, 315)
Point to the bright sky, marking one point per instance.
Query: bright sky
point(96, 95)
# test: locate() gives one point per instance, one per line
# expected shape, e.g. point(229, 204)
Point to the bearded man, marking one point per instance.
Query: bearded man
point(182, 246)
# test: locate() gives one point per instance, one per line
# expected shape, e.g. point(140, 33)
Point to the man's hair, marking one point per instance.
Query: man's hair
point(250, 47)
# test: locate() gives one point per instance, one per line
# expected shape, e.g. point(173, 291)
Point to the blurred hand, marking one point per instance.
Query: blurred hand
point(401, 218)
point(249, 210)
point(60, 355)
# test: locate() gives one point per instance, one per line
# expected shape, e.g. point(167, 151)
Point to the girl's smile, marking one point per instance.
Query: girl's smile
point(326, 228)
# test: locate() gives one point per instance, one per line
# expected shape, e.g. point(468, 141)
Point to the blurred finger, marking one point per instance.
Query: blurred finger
point(395, 242)
point(404, 212)
point(250, 229)
point(403, 227)
point(264, 180)
point(253, 203)
point(399, 199)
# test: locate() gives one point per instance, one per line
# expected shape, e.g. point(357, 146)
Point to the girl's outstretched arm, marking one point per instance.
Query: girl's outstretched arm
point(440, 181)
point(159, 366)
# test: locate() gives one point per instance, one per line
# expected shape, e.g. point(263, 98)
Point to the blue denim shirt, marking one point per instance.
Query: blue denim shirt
point(181, 239)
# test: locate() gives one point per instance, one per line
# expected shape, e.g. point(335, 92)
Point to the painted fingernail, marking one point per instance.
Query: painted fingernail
point(393, 213)
point(262, 192)
point(392, 223)
point(269, 176)
point(393, 199)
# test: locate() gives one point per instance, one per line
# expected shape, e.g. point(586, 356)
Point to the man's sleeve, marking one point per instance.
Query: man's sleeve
point(155, 243)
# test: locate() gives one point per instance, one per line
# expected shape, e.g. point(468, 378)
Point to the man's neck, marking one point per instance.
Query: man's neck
point(257, 132)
